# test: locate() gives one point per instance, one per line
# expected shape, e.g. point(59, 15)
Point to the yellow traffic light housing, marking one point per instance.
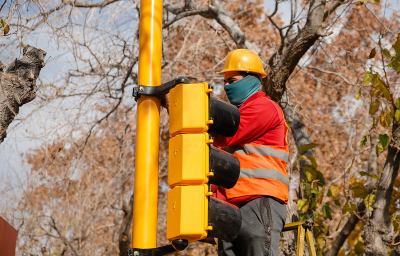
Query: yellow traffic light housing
point(188, 108)
point(189, 152)
point(194, 165)
point(186, 213)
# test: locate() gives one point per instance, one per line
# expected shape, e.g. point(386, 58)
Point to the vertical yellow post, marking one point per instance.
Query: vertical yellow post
point(300, 240)
point(144, 231)
point(310, 243)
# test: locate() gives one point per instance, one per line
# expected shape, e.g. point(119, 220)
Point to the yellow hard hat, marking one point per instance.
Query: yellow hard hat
point(244, 60)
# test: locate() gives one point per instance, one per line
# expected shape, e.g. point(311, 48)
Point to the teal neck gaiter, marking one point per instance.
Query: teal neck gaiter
point(238, 92)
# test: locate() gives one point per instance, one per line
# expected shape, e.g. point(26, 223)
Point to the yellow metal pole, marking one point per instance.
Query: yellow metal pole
point(144, 230)
point(300, 241)
point(310, 243)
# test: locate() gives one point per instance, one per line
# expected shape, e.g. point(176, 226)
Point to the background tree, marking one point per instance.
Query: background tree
point(77, 197)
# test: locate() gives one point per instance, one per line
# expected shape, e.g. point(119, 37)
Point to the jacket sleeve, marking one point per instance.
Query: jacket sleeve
point(256, 118)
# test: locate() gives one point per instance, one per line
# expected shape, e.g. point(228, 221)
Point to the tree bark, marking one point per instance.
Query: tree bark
point(378, 233)
point(301, 138)
point(298, 129)
point(18, 85)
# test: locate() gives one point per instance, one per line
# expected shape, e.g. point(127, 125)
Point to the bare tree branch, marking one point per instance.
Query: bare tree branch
point(89, 5)
point(274, 83)
point(62, 237)
point(184, 15)
point(332, 7)
point(215, 11)
point(332, 73)
point(379, 20)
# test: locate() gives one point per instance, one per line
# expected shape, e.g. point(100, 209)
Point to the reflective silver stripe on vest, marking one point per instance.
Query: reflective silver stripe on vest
point(262, 151)
point(264, 173)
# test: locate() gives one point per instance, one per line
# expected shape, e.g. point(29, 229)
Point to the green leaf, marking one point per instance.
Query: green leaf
point(396, 45)
point(363, 142)
point(321, 179)
point(303, 216)
point(359, 248)
point(367, 78)
point(384, 141)
point(307, 147)
point(374, 107)
point(357, 188)
point(326, 211)
point(372, 53)
point(349, 208)
point(313, 203)
point(358, 96)
point(310, 173)
point(376, 81)
point(335, 190)
point(395, 63)
point(385, 118)
point(303, 205)
point(397, 116)
point(288, 123)
point(397, 104)
point(386, 53)
point(315, 192)
point(315, 215)
point(337, 202)
point(387, 94)
point(6, 28)
point(369, 201)
point(369, 175)
point(313, 161)
point(306, 187)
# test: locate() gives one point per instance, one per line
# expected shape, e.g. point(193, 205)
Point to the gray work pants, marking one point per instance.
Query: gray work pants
point(253, 236)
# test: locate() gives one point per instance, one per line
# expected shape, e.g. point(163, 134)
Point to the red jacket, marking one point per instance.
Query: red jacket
point(261, 123)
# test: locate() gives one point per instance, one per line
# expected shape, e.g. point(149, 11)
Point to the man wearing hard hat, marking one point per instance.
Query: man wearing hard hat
point(261, 146)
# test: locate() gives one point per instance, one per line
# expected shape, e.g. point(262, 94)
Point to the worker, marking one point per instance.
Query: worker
point(260, 144)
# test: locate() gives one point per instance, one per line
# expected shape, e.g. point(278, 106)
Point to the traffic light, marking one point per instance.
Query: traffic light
point(194, 164)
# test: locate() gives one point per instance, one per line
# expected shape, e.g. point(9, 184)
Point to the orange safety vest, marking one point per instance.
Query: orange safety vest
point(262, 171)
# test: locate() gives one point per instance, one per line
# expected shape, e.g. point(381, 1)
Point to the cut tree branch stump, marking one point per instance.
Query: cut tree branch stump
point(18, 85)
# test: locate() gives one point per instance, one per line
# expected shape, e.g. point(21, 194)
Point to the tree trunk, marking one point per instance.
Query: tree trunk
point(300, 136)
point(378, 233)
point(18, 85)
